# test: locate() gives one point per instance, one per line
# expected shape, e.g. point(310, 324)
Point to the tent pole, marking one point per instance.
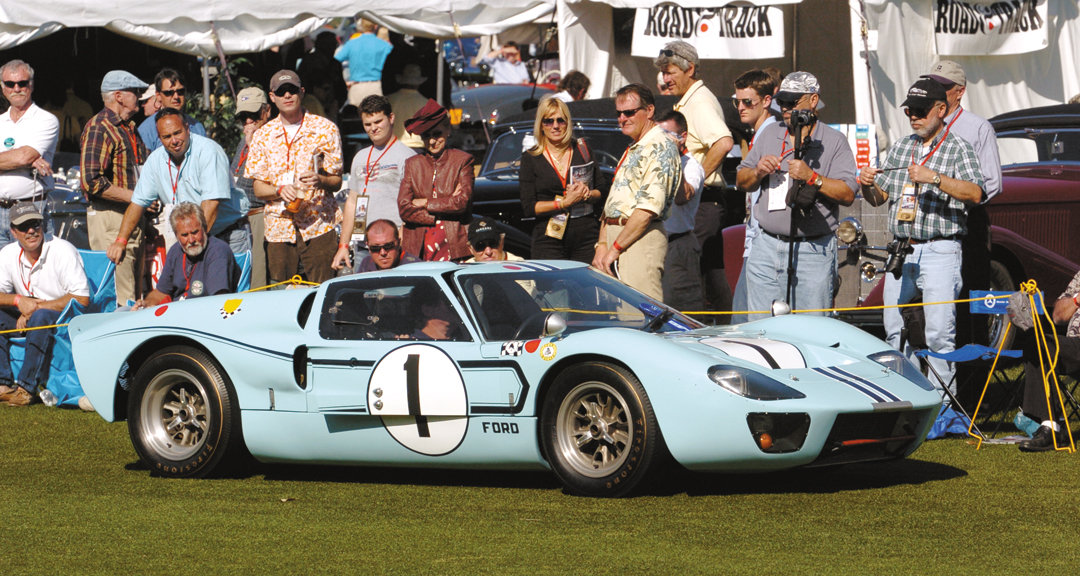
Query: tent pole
point(205, 82)
point(439, 73)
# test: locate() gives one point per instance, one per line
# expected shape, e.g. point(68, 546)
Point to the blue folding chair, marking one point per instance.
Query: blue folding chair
point(244, 261)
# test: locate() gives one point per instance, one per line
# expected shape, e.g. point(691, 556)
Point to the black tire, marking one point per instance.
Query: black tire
point(1000, 279)
point(610, 453)
point(183, 415)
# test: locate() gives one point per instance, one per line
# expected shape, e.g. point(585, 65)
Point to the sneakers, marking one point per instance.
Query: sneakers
point(1043, 440)
point(20, 397)
point(85, 405)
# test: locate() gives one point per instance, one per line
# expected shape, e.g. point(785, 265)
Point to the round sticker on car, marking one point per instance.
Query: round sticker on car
point(419, 393)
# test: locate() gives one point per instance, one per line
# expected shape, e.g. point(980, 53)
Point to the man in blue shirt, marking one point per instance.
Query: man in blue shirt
point(188, 168)
point(197, 265)
point(506, 65)
point(366, 55)
point(171, 93)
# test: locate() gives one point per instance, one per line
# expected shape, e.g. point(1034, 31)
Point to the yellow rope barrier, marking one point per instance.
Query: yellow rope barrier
point(295, 281)
point(849, 309)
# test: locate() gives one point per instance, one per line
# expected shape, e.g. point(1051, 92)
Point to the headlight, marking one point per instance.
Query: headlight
point(896, 362)
point(750, 384)
point(849, 230)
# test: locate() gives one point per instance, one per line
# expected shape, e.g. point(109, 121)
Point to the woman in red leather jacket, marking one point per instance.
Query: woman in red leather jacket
point(435, 199)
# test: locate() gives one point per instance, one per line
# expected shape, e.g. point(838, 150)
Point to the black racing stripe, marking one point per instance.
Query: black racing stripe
point(764, 353)
point(351, 362)
point(519, 405)
point(175, 329)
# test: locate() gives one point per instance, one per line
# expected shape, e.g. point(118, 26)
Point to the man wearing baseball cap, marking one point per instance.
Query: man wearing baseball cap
point(39, 274)
point(930, 179)
point(112, 153)
point(825, 178)
point(296, 163)
point(252, 113)
point(487, 243)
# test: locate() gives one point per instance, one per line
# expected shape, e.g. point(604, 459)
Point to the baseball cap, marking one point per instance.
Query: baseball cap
point(483, 229)
point(283, 77)
point(924, 93)
point(796, 84)
point(150, 93)
point(24, 212)
point(250, 100)
point(121, 80)
point(947, 72)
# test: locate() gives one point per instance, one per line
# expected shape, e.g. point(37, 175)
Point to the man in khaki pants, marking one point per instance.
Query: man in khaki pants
point(642, 193)
point(112, 153)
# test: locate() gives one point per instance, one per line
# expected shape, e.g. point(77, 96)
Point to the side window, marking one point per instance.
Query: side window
point(390, 309)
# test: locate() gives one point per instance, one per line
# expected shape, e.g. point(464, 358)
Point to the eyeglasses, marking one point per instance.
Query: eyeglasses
point(748, 102)
point(19, 83)
point(288, 89)
point(481, 245)
point(918, 113)
point(630, 112)
point(388, 247)
point(28, 226)
point(551, 121)
point(170, 93)
point(789, 104)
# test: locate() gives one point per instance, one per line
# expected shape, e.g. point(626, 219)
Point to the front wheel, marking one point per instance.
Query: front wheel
point(599, 432)
point(1000, 279)
point(183, 416)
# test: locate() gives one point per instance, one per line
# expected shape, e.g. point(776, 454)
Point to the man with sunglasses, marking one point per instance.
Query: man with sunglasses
point(39, 274)
point(112, 154)
point(170, 93)
point(252, 113)
point(296, 163)
point(384, 248)
point(930, 180)
point(827, 168)
point(28, 136)
point(487, 243)
point(708, 141)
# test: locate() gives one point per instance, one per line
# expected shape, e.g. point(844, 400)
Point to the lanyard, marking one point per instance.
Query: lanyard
point(288, 145)
point(621, 160)
point(187, 275)
point(134, 144)
point(551, 160)
point(940, 142)
point(367, 166)
point(29, 278)
point(243, 158)
point(175, 181)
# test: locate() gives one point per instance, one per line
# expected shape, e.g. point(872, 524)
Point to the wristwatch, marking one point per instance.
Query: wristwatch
point(937, 179)
point(818, 181)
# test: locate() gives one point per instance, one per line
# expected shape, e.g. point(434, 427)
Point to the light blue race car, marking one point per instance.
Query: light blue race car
point(510, 365)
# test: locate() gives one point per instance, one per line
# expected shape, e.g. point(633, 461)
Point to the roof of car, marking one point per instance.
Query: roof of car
point(1061, 115)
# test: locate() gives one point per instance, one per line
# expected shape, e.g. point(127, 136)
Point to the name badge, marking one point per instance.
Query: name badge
point(779, 182)
point(287, 179)
point(907, 204)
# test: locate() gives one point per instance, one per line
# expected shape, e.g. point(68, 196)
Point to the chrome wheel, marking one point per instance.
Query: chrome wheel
point(177, 418)
point(593, 429)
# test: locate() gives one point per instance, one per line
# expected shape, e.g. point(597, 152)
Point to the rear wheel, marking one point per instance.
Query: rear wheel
point(599, 431)
point(1000, 279)
point(183, 416)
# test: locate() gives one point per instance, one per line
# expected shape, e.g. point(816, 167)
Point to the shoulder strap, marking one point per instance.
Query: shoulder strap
point(583, 149)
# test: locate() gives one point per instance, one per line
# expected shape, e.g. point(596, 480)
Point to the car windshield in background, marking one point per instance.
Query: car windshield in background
point(1036, 145)
point(506, 304)
point(504, 155)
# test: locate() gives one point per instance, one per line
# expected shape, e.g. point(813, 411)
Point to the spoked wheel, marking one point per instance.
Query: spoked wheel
point(183, 416)
point(599, 431)
point(1000, 279)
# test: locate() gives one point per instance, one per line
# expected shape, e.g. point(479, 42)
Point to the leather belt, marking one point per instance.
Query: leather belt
point(934, 239)
point(256, 210)
point(615, 221)
point(793, 238)
point(234, 226)
point(7, 204)
point(677, 235)
point(712, 194)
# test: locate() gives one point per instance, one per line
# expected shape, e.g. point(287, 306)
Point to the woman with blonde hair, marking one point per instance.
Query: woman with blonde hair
point(560, 183)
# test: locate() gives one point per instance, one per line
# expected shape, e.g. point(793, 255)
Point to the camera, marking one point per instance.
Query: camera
point(799, 119)
point(898, 250)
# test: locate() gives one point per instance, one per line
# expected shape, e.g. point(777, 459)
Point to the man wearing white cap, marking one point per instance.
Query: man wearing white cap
point(112, 152)
point(252, 113)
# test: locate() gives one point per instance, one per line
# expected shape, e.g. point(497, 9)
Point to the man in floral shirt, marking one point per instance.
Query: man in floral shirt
point(642, 192)
point(295, 161)
point(1038, 402)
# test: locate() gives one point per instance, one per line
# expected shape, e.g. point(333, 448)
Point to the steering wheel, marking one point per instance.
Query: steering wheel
point(530, 322)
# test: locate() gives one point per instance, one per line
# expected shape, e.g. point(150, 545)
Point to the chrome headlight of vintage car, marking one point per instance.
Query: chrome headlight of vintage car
point(896, 362)
point(849, 231)
point(750, 384)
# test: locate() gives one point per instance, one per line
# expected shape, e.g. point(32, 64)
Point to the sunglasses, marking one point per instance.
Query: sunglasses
point(748, 102)
point(668, 53)
point(28, 226)
point(788, 104)
point(290, 89)
point(170, 93)
point(388, 247)
point(630, 112)
point(552, 121)
point(481, 245)
point(19, 83)
point(245, 117)
point(917, 113)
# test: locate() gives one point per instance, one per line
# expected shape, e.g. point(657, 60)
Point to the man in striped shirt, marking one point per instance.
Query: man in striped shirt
point(930, 179)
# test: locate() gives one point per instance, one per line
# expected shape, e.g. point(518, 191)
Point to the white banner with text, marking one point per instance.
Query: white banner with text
point(989, 28)
point(729, 33)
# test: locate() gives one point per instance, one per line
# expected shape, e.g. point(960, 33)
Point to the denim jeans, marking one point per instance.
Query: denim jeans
point(738, 298)
point(934, 269)
point(39, 343)
point(766, 274)
point(238, 239)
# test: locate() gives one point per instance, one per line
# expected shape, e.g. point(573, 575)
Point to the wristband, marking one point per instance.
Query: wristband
point(279, 189)
point(340, 246)
point(557, 206)
point(1075, 296)
point(616, 246)
point(16, 300)
point(121, 240)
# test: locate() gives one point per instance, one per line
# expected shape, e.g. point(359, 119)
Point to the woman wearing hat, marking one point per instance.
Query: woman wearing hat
point(435, 199)
point(560, 182)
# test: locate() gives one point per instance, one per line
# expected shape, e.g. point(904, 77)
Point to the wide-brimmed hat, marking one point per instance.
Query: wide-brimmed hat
point(426, 118)
point(411, 76)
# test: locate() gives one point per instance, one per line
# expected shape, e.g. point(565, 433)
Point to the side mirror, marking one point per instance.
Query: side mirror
point(553, 325)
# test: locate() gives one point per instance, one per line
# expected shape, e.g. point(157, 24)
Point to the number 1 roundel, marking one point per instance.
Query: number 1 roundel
point(419, 393)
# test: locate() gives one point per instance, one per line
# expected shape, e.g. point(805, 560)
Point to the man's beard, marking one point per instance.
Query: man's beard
point(194, 249)
point(929, 128)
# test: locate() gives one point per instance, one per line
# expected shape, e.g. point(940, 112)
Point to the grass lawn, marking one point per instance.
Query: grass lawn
point(80, 502)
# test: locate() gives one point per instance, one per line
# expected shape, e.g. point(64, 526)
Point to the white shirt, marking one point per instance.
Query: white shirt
point(753, 228)
point(564, 96)
point(58, 272)
point(682, 217)
point(39, 130)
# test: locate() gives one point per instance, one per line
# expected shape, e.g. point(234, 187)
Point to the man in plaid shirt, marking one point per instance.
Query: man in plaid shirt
point(930, 179)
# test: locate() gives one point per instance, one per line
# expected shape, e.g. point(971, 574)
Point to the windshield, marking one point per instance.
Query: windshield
point(509, 305)
point(504, 155)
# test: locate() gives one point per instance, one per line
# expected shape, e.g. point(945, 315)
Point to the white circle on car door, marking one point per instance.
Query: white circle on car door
point(419, 393)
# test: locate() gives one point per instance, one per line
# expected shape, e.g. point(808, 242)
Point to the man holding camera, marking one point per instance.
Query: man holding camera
point(930, 178)
point(819, 170)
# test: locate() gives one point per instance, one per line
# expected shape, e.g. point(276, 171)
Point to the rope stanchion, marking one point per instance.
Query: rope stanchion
point(295, 281)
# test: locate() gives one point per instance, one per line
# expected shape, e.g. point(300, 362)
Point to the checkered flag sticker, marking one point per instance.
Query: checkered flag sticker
point(512, 348)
